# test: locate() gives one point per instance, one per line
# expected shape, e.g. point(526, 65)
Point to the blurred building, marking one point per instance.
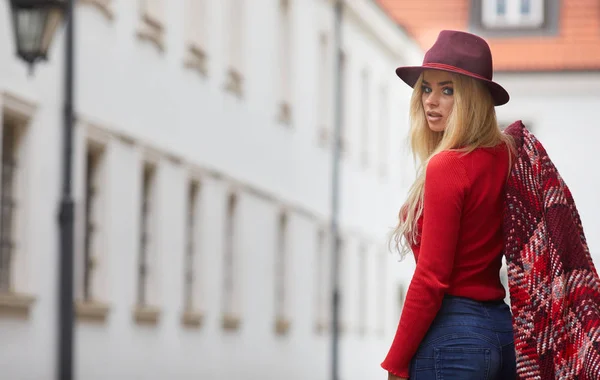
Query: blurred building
point(203, 175)
point(547, 55)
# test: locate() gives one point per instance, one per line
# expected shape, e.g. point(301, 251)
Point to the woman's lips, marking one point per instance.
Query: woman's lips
point(433, 117)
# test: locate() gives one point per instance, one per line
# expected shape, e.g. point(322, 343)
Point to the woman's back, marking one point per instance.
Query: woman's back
point(478, 257)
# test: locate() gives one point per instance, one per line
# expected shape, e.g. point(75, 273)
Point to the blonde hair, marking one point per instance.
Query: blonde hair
point(471, 124)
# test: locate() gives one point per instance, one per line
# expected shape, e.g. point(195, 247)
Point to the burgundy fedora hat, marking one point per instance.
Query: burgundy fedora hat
point(461, 53)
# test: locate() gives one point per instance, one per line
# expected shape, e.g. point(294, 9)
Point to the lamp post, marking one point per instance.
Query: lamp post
point(35, 23)
point(335, 196)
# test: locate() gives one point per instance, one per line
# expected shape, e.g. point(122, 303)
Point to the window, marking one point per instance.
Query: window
point(362, 288)
point(191, 243)
point(525, 7)
point(501, 7)
point(381, 295)
point(192, 316)
point(344, 99)
point(195, 35)
point(90, 260)
point(145, 232)
point(281, 276)
point(152, 23)
point(384, 131)
point(513, 13)
point(15, 114)
point(233, 48)
point(364, 154)
point(93, 222)
point(345, 280)
point(324, 94)
point(231, 319)
point(371, 309)
point(285, 62)
point(8, 203)
point(322, 286)
point(146, 276)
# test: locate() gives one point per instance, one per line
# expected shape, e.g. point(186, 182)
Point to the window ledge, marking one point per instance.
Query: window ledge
point(193, 319)
point(16, 107)
point(344, 147)
point(91, 311)
point(152, 31)
point(320, 328)
point(234, 82)
point(196, 59)
point(104, 6)
point(324, 137)
point(364, 161)
point(146, 315)
point(285, 113)
point(16, 304)
point(383, 171)
point(230, 322)
point(327, 140)
point(282, 326)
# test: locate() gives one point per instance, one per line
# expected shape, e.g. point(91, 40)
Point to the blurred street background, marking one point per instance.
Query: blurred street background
point(218, 148)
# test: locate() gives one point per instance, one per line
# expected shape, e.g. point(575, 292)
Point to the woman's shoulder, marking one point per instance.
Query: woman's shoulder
point(448, 165)
point(446, 159)
point(446, 175)
point(455, 156)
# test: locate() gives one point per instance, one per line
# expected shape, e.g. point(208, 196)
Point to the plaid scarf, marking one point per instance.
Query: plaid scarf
point(554, 286)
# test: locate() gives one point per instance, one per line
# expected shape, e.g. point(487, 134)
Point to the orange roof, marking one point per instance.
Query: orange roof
point(576, 46)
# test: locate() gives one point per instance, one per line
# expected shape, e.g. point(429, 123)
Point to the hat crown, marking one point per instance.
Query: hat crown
point(462, 50)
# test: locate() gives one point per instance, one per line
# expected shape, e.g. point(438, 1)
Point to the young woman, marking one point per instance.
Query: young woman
point(455, 323)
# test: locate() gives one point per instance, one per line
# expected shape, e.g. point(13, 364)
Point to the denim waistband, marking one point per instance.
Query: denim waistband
point(451, 298)
point(465, 311)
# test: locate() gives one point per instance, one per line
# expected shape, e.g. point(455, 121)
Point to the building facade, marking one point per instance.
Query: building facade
point(203, 150)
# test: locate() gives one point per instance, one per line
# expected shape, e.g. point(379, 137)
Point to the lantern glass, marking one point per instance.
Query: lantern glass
point(35, 24)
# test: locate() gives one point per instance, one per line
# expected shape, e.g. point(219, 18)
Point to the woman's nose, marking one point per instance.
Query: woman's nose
point(432, 99)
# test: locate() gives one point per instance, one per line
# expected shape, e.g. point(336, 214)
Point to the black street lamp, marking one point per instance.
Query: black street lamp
point(35, 23)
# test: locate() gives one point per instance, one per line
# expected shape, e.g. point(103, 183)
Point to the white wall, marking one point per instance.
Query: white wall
point(560, 110)
point(143, 98)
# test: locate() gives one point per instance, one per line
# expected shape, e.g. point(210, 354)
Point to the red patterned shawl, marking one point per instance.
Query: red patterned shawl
point(554, 286)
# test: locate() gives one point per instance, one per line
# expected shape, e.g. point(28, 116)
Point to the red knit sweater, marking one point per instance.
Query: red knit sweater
point(461, 242)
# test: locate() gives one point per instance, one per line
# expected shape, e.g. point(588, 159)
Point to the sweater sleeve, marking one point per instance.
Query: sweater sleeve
point(446, 184)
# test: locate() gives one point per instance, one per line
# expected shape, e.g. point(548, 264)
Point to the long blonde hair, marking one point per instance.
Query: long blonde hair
point(471, 124)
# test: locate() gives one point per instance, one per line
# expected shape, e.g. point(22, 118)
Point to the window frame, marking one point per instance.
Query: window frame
point(550, 13)
point(513, 16)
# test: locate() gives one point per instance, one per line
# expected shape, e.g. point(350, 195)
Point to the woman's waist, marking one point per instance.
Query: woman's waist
point(484, 290)
point(456, 301)
point(457, 310)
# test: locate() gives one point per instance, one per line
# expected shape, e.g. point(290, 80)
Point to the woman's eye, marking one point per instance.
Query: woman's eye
point(448, 91)
point(426, 89)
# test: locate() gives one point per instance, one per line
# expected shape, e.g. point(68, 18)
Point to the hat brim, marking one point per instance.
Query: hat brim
point(410, 75)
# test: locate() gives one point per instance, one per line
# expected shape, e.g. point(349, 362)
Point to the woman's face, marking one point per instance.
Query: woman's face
point(437, 98)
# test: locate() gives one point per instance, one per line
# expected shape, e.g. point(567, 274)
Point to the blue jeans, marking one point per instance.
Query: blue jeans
point(467, 340)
